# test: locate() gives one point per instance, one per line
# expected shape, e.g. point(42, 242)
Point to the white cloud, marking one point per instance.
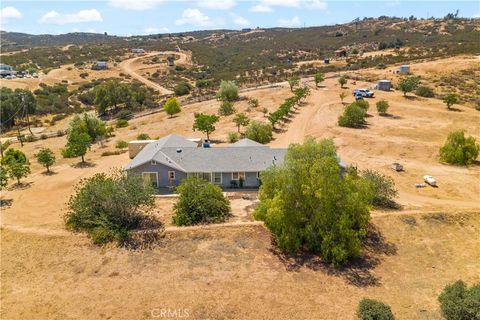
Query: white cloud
point(91, 15)
point(154, 30)
point(475, 16)
point(289, 23)
point(9, 13)
point(260, 8)
point(217, 5)
point(238, 20)
point(281, 3)
point(316, 4)
point(137, 5)
point(195, 17)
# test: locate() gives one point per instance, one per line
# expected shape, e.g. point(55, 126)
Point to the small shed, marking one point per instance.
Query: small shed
point(341, 53)
point(135, 146)
point(138, 50)
point(384, 85)
point(326, 60)
point(100, 65)
point(404, 69)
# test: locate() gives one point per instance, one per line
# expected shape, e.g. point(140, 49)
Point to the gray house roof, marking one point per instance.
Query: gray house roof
point(184, 155)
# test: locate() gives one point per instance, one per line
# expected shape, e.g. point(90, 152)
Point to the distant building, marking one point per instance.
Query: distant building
point(138, 50)
point(341, 53)
point(326, 60)
point(404, 69)
point(6, 70)
point(384, 85)
point(170, 61)
point(100, 65)
point(246, 29)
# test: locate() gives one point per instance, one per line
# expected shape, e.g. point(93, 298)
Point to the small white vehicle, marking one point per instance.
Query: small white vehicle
point(430, 180)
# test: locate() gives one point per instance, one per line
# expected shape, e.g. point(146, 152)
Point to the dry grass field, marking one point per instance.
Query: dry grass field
point(233, 271)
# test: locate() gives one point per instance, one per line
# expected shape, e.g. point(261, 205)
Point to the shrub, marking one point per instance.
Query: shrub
point(382, 106)
point(121, 144)
point(46, 158)
point(43, 136)
point(424, 91)
point(226, 108)
point(458, 149)
point(109, 207)
point(204, 83)
point(60, 133)
point(112, 153)
point(259, 131)
point(458, 302)
point(253, 103)
point(384, 191)
point(228, 91)
point(369, 309)
point(30, 138)
point(342, 81)
point(59, 117)
point(182, 89)
point(309, 206)
point(143, 136)
point(124, 114)
point(172, 106)
point(121, 123)
point(199, 202)
point(233, 137)
point(353, 117)
point(363, 104)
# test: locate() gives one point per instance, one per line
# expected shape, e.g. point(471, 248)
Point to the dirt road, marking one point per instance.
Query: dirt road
point(129, 67)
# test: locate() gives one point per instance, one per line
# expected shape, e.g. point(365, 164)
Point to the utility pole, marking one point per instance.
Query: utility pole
point(26, 113)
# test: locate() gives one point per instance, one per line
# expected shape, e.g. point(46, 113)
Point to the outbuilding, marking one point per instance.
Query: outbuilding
point(384, 85)
point(404, 69)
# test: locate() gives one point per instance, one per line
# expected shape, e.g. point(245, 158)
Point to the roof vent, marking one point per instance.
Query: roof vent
point(179, 150)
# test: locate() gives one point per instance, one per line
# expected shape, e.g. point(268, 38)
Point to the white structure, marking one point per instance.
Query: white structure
point(404, 69)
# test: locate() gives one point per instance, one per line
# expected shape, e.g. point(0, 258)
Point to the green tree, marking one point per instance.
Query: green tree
point(240, 120)
point(369, 309)
point(458, 302)
point(353, 117)
point(16, 164)
point(408, 84)
point(199, 202)
point(205, 123)
point(228, 91)
point(342, 81)
point(382, 106)
point(319, 78)
point(293, 82)
point(459, 149)
point(109, 207)
point(3, 176)
point(110, 94)
point(172, 106)
point(384, 191)
point(143, 136)
point(16, 104)
point(342, 95)
point(308, 205)
point(46, 158)
point(77, 145)
point(89, 124)
point(226, 108)
point(450, 99)
point(362, 104)
point(259, 131)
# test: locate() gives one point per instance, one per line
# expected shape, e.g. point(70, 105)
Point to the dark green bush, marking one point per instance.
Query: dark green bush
point(124, 114)
point(121, 123)
point(226, 108)
point(109, 207)
point(121, 144)
point(458, 302)
point(424, 91)
point(143, 136)
point(259, 131)
point(353, 117)
point(369, 309)
point(200, 202)
point(182, 89)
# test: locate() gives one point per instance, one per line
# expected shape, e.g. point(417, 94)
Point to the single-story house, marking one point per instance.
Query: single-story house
point(6, 70)
point(100, 65)
point(165, 162)
point(341, 53)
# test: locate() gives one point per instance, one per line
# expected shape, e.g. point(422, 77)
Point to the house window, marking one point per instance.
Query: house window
point(217, 178)
point(171, 175)
point(150, 178)
point(202, 175)
point(153, 162)
point(238, 175)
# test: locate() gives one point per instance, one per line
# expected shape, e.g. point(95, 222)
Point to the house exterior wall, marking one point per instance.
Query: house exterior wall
point(162, 170)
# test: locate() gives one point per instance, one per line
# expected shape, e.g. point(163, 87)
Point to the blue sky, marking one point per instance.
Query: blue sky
point(134, 17)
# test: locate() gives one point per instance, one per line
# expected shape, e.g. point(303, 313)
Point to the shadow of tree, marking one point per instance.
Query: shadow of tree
point(359, 270)
point(82, 165)
point(20, 186)
point(454, 109)
point(49, 173)
point(6, 203)
point(147, 236)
